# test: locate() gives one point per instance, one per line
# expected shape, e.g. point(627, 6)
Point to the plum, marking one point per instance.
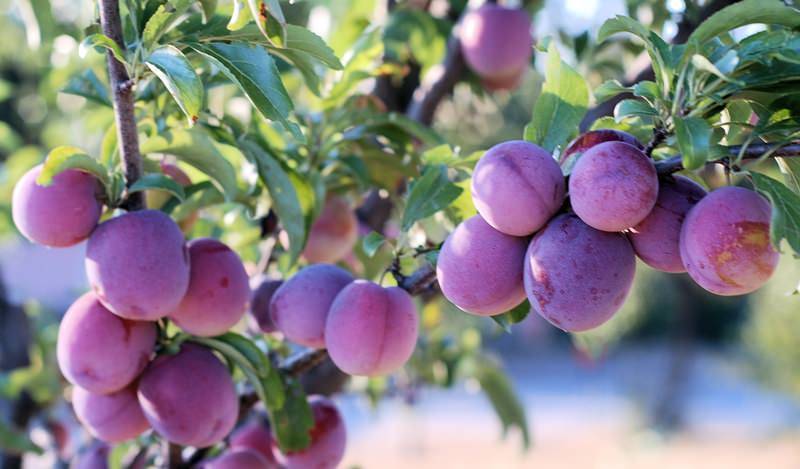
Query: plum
point(516, 187)
point(577, 277)
point(259, 304)
point(239, 459)
point(99, 351)
point(591, 138)
point(61, 214)
point(138, 265)
point(111, 417)
point(189, 398)
point(497, 44)
point(93, 457)
point(333, 234)
point(328, 439)
point(656, 239)
point(725, 242)
point(255, 436)
point(480, 269)
point(300, 306)
point(613, 186)
point(371, 330)
point(218, 291)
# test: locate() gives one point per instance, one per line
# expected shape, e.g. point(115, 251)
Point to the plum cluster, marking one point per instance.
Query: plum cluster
point(142, 270)
point(575, 262)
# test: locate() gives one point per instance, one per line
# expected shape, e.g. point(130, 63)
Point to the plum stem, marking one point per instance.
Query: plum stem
point(752, 152)
point(122, 92)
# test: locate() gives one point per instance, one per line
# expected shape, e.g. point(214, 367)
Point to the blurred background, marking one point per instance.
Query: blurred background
point(678, 379)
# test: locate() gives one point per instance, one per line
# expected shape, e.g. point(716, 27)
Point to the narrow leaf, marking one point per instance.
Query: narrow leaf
point(372, 242)
point(155, 181)
point(744, 13)
point(89, 86)
point(162, 20)
point(694, 141)
point(178, 76)
point(98, 42)
point(430, 193)
point(610, 89)
point(633, 107)
point(65, 157)
point(785, 223)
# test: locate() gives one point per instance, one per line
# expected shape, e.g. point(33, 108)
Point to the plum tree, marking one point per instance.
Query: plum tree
point(99, 351)
point(138, 265)
point(299, 308)
point(725, 242)
point(333, 234)
point(613, 186)
point(255, 436)
point(218, 290)
point(157, 199)
point(480, 269)
point(577, 277)
point(497, 44)
point(328, 439)
point(239, 459)
point(189, 398)
point(371, 330)
point(591, 138)
point(516, 187)
point(656, 239)
point(111, 417)
point(259, 304)
point(61, 214)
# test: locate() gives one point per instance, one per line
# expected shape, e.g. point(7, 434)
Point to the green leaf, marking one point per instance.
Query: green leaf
point(198, 149)
point(694, 141)
point(292, 423)
point(268, 375)
point(254, 71)
point(790, 167)
point(657, 49)
point(372, 242)
point(162, 20)
point(302, 39)
point(785, 223)
point(264, 11)
point(430, 193)
point(208, 7)
point(513, 316)
point(361, 62)
point(240, 16)
point(609, 89)
point(98, 42)
point(646, 89)
point(633, 107)
point(703, 64)
point(505, 402)
point(160, 182)
point(744, 13)
point(285, 200)
point(14, 442)
point(89, 86)
point(178, 76)
point(65, 157)
point(561, 105)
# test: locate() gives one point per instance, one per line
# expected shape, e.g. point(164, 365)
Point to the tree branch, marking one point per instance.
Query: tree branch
point(438, 83)
point(752, 152)
point(122, 92)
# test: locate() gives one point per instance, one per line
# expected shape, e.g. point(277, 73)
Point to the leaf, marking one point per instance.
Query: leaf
point(513, 316)
point(162, 20)
point(208, 7)
point(14, 442)
point(785, 223)
point(702, 63)
point(694, 141)
point(657, 49)
point(89, 86)
point(561, 105)
point(609, 89)
point(790, 167)
point(292, 423)
point(302, 39)
point(263, 11)
point(101, 41)
point(505, 402)
point(430, 193)
point(372, 242)
point(178, 76)
point(65, 157)
point(198, 149)
point(268, 375)
point(240, 16)
point(744, 13)
point(633, 107)
point(254, 71)
point(285, 200)
point(158, 182)
point(646, 89)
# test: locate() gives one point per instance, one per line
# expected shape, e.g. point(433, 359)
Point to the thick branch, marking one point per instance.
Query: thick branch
point(301, 363)
point(438, 83)
point(122, 92)
point(752, 152)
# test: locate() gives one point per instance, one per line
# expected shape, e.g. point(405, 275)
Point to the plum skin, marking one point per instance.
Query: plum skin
point(61, 214)
point(99, 351)
point(656, 239)
point(328, 439)
point(497, 44)
point(613, 186)
point(111, 417)
point(259, 304)
point(594, 137)
point(480, 269)
point(333, 234)
point(371, 330)
point(138, 265)
point(218, 292)
point(577, 277)
point(299, 308)
point(179, 409)
point(255, 436)
point(725, 242)
point(239, 459)
point(516, 187)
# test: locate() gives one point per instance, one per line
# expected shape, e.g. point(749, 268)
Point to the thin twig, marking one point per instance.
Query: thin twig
point(754, 151)
point(303, 362)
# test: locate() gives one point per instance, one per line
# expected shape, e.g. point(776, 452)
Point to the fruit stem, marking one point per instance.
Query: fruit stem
point(122, 88)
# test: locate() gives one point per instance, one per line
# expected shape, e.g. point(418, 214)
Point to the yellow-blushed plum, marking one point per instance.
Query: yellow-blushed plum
point(114, 417)
point(333, 234)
